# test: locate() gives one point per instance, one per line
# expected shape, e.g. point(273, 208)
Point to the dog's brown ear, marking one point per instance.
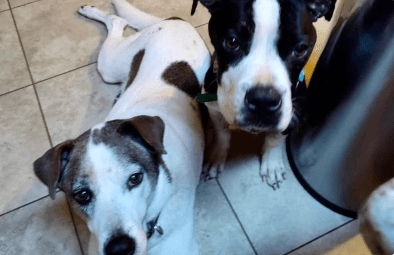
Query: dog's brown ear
point(211, 5)
point(49, 167)
point(150, 129)
point(320, 8)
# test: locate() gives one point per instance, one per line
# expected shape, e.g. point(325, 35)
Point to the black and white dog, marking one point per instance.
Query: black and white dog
point(261, 49)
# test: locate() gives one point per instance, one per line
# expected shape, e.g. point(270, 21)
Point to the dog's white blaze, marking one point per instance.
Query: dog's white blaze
point(262, 65)
point(115, 207)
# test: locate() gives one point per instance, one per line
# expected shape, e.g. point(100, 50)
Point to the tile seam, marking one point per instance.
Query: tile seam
point(12, 91)
point(20, 207)
point(236, 216)
point(31, 76)
point(75, 227)
point(319, 237)
point(201, 25)
point(25, 4)
point(57, 75)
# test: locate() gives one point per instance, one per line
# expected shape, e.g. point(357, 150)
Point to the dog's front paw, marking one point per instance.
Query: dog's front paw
point(215, 155)
point(214, 163)
point(272, 168)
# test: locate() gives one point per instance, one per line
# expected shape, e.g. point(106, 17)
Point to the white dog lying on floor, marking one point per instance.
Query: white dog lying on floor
point(133, 177)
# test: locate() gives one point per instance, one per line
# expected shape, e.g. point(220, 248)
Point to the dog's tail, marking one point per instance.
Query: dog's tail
point(135, 18)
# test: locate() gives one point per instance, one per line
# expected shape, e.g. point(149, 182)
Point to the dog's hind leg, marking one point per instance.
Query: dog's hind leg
point(135, 18)
point(112, 63)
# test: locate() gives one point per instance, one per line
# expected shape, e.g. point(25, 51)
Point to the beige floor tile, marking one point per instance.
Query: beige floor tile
point(74, 102)
point(44, 227)
point(345, 241)
point(16, 3)
point(217, 230)
point(203, 31)
point(57, 39)
point(276, 221)
point(22, 140)
point(13, 69)
point(174, 8)
point(3, 5)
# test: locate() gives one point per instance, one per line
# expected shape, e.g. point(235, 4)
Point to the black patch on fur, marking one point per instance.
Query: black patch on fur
point(182, 76)
point(295, 30)
point(174, 18)
point(135, 66)
point(231, 18)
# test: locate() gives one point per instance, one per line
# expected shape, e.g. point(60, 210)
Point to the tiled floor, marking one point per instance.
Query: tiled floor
point(50, 91)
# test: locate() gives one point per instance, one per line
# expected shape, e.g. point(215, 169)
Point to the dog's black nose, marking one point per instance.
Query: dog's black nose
point(263, 99)
point(122, 245)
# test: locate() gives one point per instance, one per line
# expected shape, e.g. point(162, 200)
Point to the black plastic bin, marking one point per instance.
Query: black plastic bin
point(346, 148)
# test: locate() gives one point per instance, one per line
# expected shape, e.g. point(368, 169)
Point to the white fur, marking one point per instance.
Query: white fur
point(272, 169)
point(164, 43)
point(377, 219)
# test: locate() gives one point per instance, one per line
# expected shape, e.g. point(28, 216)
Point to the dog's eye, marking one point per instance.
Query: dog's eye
point(301, 50)
point(83, 197)
point(134, 180)
point(231, 43)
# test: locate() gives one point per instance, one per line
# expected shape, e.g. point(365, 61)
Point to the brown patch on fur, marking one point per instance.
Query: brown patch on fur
point(135, 66)
point(182, 76)
point(137, 140)
point(50, 168)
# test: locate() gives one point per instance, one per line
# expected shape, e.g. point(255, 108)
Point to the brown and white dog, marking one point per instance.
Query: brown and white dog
point(133, 177)
point(261, 47)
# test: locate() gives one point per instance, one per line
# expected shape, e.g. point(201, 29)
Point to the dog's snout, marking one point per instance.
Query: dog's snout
point(122, 245)
point(263, 99)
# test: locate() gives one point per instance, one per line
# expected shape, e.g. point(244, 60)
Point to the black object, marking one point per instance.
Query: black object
point(346, 148)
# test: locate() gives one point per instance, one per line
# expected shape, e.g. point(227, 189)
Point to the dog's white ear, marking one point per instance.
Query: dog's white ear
point(49, 167)
point(211, 5)
point(320, 8)
point(151, 130)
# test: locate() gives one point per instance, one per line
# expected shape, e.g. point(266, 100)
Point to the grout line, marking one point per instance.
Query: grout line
point(31, 76)
point(13, 210)
point(201, 25)
point(57, 75)
point(236, 216)
point(25, 4)
point(75, 226)
point(9, 92)
point(4, 10)
point(329, 232)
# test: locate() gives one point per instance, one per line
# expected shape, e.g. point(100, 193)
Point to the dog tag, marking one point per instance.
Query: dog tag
point(207, 97)
point(158, 229)
point(302, 76)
